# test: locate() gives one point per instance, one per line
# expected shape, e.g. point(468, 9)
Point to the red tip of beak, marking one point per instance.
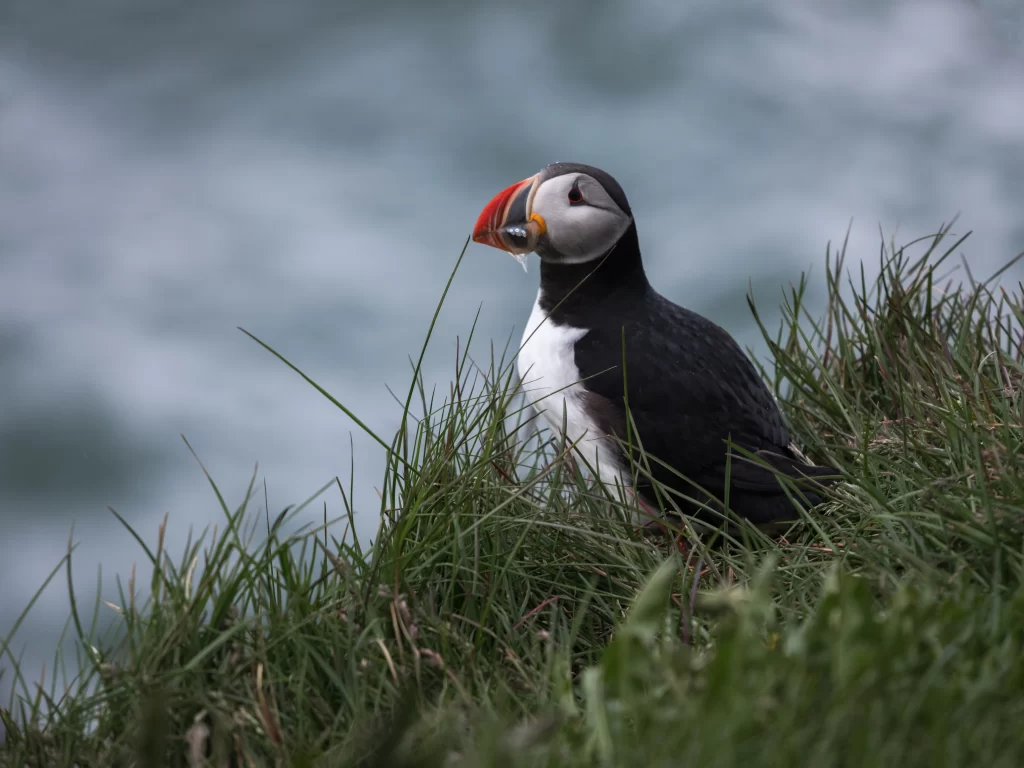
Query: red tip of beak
point(493, 216)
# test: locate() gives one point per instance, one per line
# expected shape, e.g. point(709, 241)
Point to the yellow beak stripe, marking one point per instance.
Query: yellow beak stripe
point(537, 219)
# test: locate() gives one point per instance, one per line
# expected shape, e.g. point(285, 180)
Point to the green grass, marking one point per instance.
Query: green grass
point(508, 614)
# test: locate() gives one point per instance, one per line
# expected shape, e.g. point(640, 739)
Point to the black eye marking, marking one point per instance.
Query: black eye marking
point(575, 196)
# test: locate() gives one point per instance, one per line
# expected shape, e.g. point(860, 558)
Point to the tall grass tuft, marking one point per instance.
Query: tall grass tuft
point(509, 613)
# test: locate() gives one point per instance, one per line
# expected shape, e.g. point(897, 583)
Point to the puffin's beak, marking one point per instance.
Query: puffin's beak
point(506, 222)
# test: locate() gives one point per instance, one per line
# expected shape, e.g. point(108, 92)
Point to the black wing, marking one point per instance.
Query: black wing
point(690, 388)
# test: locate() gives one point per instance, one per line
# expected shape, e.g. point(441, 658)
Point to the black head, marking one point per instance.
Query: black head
point(568, 213)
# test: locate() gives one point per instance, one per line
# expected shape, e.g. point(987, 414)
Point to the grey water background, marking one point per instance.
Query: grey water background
point(310, 171)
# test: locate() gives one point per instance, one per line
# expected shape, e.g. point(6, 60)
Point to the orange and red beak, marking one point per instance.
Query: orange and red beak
point(506, 222)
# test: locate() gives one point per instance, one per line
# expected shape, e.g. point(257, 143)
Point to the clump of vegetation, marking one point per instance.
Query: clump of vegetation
point(507, 613)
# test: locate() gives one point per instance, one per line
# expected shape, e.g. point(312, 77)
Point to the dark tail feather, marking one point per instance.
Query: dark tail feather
point(810, 481)
point(799, 468)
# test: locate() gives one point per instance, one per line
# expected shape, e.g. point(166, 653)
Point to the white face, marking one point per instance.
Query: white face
point(582, 222)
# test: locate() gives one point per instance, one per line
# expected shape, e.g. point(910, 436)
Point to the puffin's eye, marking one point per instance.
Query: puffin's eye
point(575, 196)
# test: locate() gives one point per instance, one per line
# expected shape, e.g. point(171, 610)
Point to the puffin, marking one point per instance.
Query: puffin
point(600, 340)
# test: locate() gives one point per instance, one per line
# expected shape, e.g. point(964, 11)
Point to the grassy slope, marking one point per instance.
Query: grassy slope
point(507, 614)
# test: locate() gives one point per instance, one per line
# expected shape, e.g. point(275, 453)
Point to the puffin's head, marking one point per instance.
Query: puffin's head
point(568, 213)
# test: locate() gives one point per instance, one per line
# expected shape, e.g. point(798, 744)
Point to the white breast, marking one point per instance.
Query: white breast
point(547, 367)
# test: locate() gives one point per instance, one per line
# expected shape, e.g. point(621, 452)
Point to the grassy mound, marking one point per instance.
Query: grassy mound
point(507, 613)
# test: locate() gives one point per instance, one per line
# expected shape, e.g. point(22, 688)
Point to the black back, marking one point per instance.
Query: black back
point(690, 385)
